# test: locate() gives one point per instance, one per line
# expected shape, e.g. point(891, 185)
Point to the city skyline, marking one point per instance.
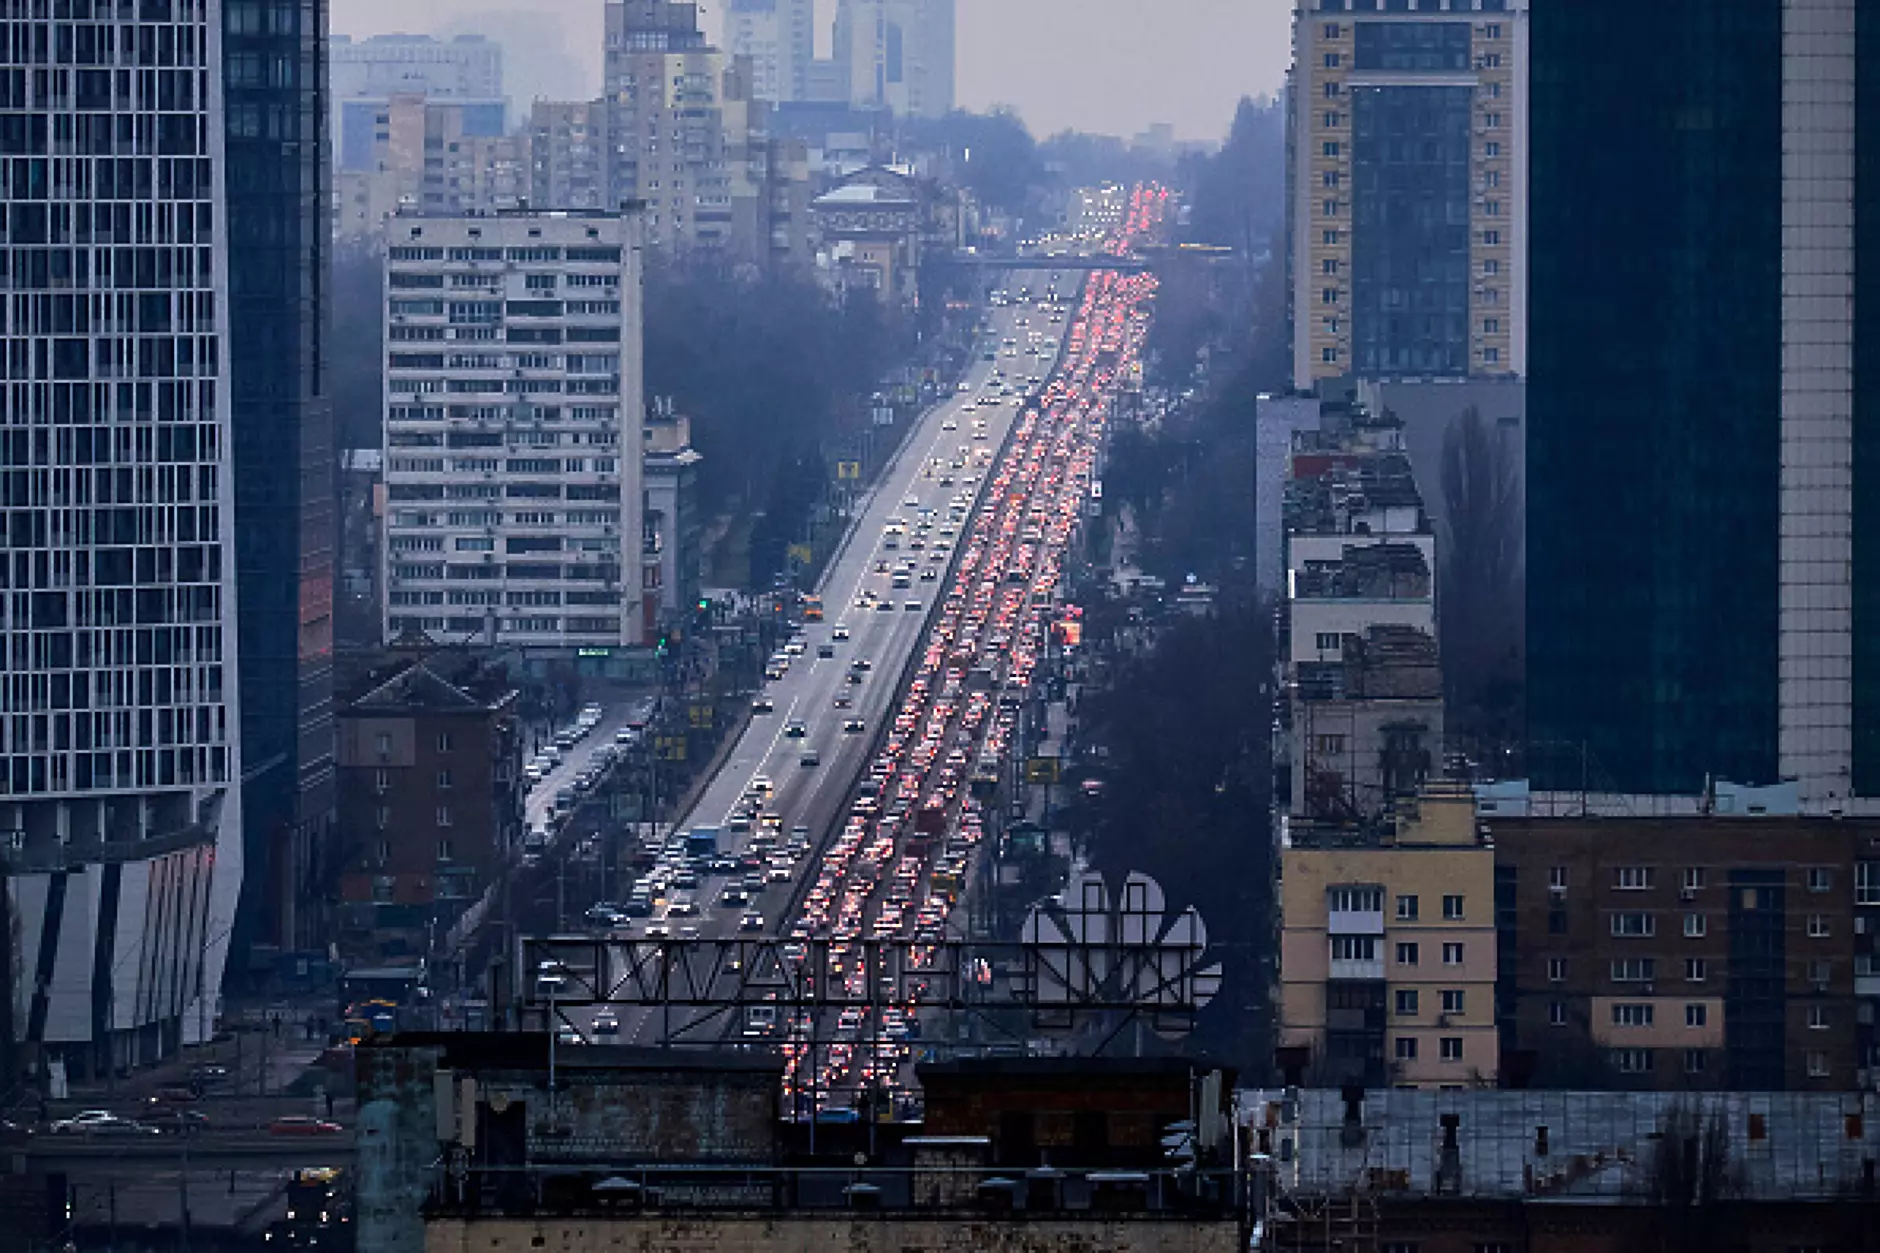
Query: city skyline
point(1046, 58)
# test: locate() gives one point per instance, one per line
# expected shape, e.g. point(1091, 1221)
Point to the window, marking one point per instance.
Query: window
point(444, 851)
point(1492, 31)
point(383, 817)
point(1354, 948)
point(385, 851)
point(1556, 878)
point(1406, 1048)
point(1820, 878)
point(1406, 1002)
point(1330, 641)
point(1632, 1061)
point(1452, 908)
point(1331, 30)
point(1359, 900)
point(443, 815)
point(381, 781)
point(1491, 149)
point(1328, 745)
point(1632, 1014)
point(383, 742)
point(1491, 326)
point(1329, 296)
point(1406, 954)
point(1817, 926)
point(1330, 237)
point(1634, 878)
point(1867, 883)
point(1330, 208)
point(1328, 178)
point(1331, 60)
point(1556, 970)
point(1452, 954)
point(1330, 148)
point(1693, 1061)
point(1491, 178)
point(1693, 878)
point(443, 780)
point(443, 741)
point(1491, 355)
point(1820, 973)
point(1696, 1015)
point(1817, 1017)
point(1331, 93)
point(1491, 267)
point(1556, 1013)
point(1817, 1064)
point(1329, 265)
point(1696, 970)
point(1634, 924)
point(1695, 926)
point(1406, 909)
point(1634, 970)
point(1452, 1000)
point(1491, 238)
point(1450, 1047)
point(1328, 355)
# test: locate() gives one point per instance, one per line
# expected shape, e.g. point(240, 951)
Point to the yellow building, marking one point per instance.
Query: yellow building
point(1387, 948)
point(1407, 163)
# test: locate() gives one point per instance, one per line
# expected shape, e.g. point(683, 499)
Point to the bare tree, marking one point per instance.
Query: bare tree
point(1481, 584)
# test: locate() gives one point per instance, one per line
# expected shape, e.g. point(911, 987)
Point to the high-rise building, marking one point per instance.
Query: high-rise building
point(686, 134)
point(569, 154)
point(779, 36)
point(1703, 471)
point(513, 431)
point(120, 728)
point(1407, 189)
point(425, 160)
point(897, 55)
point(279, 236)
point(366, 73)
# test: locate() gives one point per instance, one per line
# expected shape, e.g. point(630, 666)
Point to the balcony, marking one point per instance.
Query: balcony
point(1354, 921)
point(1356, 969)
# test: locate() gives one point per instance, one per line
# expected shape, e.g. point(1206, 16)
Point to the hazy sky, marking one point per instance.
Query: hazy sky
point(1111, 66)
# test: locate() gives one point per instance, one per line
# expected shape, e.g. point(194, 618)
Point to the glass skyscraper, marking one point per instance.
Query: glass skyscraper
point(120, 761)
point(1704, 598)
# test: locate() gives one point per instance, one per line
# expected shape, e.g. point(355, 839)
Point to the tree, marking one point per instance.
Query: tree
point(1238, 195)
point(997, 157)
point(1479, 566)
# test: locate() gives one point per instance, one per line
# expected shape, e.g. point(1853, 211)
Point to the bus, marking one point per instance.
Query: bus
point(812, 609)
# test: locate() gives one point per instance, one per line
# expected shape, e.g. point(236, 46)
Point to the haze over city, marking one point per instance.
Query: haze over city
point(1105, 66)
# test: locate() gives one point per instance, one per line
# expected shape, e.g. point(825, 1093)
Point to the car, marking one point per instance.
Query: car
point(762, 705)
point(734, 897)
point(929, 575)
point(751, 922)
point(100, 1122)
point(303, 1125)
point(603, 915)
point(795, 731)
point(843, 702)
point(884, 606)
point(861, 663)
point(606, 1023)
point(950, 424)
point(825, 650)
point(912, 502)
point(810, 759)
point(841, 632)
point(688, 933)
point(777, 874)
point(658, 931)
point(853, 726)
point(566, 1034)
point(911, 606)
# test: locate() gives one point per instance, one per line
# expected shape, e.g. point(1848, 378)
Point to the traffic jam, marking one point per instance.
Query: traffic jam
point(898, 867)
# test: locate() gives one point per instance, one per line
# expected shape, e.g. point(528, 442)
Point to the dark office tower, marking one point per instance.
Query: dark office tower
point(275, 72)
point(1704, 454)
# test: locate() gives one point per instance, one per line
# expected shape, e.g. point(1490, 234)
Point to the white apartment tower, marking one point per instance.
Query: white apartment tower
point(897, 55)
point(120, 820)
point(512, 431)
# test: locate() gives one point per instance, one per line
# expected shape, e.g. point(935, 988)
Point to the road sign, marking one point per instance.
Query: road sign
point(848, 469)
point(1042, 770)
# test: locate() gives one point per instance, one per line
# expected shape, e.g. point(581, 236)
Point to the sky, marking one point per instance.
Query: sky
point(1110, 66)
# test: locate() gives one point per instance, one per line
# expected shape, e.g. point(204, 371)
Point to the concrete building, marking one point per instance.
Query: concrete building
point(1700, 601)
point(686, 132)
point(1700, 952)
point(366, 73)
point(1361, 706)
point(686, 1151)
point(779, 37)
point(1407, 172)
point(514, 408)
point(120, 717)
point(430, 767)
point(675, 527)
point(569, 151)
point(1388, 955)
point(425, 158)
point(1471, 1172)
point(896, 55)
point(869, 229)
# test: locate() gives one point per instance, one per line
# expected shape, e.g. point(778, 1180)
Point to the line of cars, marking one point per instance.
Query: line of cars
point(896, 870)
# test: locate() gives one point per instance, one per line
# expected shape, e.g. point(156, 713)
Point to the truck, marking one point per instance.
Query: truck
point(702, 842)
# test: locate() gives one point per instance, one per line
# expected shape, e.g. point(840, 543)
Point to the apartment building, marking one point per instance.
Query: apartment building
point(569, 153)
point(779, 37)
point(1711, 951)
point(1361, 710)
point(1388, 948)
point(365, 73)
point(1407, 169)
point(425, 157)
point(513, 431)
point(896, 55)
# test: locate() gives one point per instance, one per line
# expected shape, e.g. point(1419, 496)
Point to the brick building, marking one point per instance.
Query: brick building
point(430, 801)
point(1685, 952)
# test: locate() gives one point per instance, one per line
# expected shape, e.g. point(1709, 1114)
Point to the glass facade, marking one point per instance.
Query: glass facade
point(1866, 641)
point(1653, 395)
point(274, 57)
point(1410, 216)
